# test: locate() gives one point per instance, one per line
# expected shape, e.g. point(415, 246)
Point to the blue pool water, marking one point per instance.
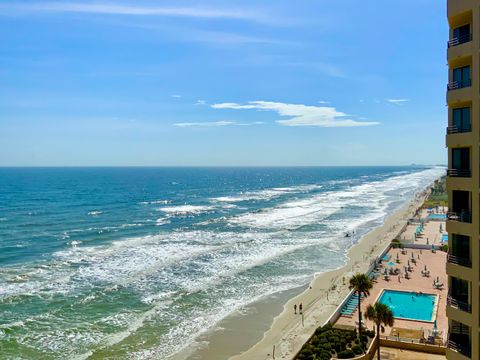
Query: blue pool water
point(444, 238)
point(409, 305)
point(437, 216)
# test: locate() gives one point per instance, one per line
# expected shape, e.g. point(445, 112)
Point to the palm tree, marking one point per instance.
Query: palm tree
point(362, 285)
point(380, 314)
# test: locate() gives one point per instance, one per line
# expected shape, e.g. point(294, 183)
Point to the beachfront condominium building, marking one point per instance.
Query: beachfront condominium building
point(463, 185)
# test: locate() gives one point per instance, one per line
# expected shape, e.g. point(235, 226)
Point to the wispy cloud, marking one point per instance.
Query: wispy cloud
point(125, 9)
point(216, 124)
point(397, 101)
point(201, 102)
point(300, 115)
point(176, 96)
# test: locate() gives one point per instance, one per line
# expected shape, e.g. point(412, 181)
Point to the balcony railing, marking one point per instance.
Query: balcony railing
point(457, 130)
point(464, 216)
point(459, 84)
point(459, 40)
point(451, 301)
point(459, 172)
point(458, 260)
point(465, 350)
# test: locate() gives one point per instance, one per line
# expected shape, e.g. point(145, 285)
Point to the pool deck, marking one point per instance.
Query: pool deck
point(399, 354)
point(431, 234)
point(417, 283)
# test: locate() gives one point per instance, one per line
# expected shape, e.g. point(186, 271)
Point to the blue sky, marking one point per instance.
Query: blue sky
point(241, 83)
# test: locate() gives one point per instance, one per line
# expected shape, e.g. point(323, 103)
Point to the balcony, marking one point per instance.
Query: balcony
point(459, 173)
point(451, 301)
point(459, 40)
point(460, 347)
point(459, 260)
point(458, 130)
point(454, 85)
point(463, 216)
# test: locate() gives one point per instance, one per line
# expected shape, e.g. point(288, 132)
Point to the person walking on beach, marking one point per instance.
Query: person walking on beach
point(295, 309)
point(300, 308)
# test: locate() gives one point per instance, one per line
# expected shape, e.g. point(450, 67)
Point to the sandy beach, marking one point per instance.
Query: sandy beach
point(253, 334)
point(319, 300)
point(326, 292)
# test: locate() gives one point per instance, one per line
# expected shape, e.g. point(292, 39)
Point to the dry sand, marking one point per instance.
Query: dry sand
point(239, 332)
point(326, 292)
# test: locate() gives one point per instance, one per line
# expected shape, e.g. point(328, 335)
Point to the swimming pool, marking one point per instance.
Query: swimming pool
point(437, 216)
point(444, 238)
point(410, 305)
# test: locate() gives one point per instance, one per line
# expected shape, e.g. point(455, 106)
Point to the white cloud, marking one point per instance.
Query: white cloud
point(216, 124)
point(109, 8)
point(397, 101)
point(300, 115)
point(176, 96)
point(234, 106)
point(201, 102)
point(324, 102)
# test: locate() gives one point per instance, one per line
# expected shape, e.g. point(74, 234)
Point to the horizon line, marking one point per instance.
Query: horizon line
point(209, 166)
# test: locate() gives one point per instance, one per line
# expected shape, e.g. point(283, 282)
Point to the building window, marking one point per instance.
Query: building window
point(461, 34)
point(461, 119)
point(461, 77)
point(461, 159)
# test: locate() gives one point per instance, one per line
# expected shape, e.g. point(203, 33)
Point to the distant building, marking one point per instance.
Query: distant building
point(463, 187)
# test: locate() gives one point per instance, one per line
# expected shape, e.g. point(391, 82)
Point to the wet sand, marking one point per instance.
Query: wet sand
point(252, 334)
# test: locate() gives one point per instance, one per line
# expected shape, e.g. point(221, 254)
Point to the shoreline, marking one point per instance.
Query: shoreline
point(321, 299)
point(235, 338)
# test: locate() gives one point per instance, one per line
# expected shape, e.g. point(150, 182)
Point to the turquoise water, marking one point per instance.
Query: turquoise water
point(437, 216)
point(409, 305)
point(136, 263)
point(444, 238)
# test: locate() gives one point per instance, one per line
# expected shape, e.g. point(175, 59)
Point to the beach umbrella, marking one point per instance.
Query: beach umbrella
point(385, 272)
point(438, 280)
point(408, 263)
point(435, 330)
point(413, 256)
point(425, 267)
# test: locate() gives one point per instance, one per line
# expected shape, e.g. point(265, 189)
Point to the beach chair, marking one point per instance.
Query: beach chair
point(386, 277)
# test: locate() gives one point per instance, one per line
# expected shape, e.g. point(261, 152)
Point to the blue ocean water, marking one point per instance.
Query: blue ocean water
point(135, 263)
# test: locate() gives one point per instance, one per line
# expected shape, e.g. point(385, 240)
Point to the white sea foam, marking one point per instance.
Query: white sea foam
point(265, 194)
point(95, 213)
point(155, 202)
point(297, 213)
point(186, 210)
point(162, 221)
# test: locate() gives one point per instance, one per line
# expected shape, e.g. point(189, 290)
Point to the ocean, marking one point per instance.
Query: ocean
point(136, 263)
